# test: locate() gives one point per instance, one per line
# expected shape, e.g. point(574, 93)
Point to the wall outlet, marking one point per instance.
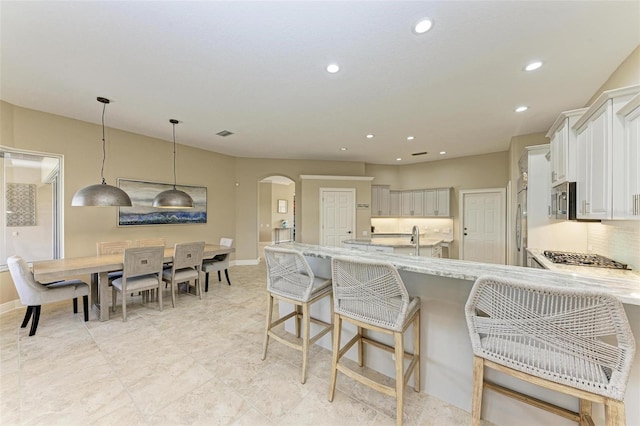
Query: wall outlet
point(364, 233)
point(436, 230)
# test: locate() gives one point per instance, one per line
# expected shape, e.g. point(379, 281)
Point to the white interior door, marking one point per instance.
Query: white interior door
point(337, 207)
point(483, 226)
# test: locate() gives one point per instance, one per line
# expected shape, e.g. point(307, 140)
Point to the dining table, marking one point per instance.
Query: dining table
point(99, 266)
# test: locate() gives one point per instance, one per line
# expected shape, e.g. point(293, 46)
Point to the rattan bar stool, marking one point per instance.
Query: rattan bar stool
point(291, 280)
point(372, 296)
point(567, 340)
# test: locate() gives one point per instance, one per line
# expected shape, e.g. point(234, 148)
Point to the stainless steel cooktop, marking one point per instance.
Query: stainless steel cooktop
point(583, 259)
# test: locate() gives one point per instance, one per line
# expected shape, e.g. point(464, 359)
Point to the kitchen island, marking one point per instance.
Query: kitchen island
point(397, 244)
point(443, 286)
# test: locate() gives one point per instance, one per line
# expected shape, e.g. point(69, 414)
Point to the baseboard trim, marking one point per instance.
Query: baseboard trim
point(246, 262)
point(10, 306)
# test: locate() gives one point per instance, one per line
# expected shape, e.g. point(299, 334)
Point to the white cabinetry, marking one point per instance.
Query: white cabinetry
point(437, 202)
point(626, 177)
point(412, 203)
point(394, 203)
point(599, 133)
point(563, 147)
point(379, 200)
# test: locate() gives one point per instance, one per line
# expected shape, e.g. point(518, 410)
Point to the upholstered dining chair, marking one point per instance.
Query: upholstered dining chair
point(187, 262)
point(219, 263)
point(569, 340)
point(291, 280)
point(142, 271)
point(34, 294)
point(372, 296)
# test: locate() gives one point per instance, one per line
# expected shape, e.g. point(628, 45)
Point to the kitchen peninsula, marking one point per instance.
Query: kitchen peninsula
point(443, 286)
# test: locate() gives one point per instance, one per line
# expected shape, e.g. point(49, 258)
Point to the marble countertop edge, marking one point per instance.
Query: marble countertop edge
point(626, 289)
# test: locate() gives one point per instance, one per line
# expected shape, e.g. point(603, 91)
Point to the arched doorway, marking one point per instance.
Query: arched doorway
point(276, 211)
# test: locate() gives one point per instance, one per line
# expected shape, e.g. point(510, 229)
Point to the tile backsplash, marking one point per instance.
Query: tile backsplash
point(618, 240)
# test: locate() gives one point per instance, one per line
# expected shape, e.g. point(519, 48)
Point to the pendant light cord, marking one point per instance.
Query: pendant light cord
point(104, 150)
point(174, 155)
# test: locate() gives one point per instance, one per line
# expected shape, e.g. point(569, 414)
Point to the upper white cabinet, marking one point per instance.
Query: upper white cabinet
point(600, 133)
point(437, 202)
point(380, 200)
point(626, 173)
point(563, 147)
point(412, 203)
point(394, 203)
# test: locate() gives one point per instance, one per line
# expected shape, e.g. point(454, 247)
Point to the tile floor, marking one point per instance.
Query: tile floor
point(196, 364)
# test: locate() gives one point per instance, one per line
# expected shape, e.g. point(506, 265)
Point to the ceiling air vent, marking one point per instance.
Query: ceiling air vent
point(419, 153)
point(224, 133)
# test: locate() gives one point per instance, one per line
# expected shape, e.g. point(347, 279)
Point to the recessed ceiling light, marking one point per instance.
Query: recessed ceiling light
point(410, 138)
point(522, 108)
point(533, 66)
point(443, 152)
point(343, 149)
point(423, 26)
point(370, 136)
point(333, 68)
point(398, 159)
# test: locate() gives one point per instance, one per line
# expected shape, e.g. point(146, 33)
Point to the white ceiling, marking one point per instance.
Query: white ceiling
point(257, 69)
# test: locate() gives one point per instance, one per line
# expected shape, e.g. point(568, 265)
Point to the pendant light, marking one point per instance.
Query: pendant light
point(101, 194)
point(173, 198)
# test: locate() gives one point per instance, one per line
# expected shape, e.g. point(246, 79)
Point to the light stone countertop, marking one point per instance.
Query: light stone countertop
point(626, 289)
point(588, 271)
point(394, 241)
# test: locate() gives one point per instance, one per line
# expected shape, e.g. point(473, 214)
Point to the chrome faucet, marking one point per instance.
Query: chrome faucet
point(415, 239)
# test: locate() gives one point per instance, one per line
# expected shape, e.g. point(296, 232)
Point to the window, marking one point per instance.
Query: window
point(31, 205)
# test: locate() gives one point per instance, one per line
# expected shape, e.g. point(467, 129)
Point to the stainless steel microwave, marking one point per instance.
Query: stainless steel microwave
point(563, 201)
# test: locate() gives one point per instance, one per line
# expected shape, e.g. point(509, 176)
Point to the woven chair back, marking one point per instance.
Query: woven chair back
point(143, 261)
point(574, 337)
point(288, 273)
point(371, 292)
point(112, 247)
point(188, 255)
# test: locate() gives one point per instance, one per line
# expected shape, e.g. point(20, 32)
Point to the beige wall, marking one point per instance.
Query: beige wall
point(270, 193)
point(250, 171)
point(627, 74)
point(264, 208)
point(310, 206)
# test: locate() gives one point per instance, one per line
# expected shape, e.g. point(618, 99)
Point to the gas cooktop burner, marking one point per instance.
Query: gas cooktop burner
point(583, 259)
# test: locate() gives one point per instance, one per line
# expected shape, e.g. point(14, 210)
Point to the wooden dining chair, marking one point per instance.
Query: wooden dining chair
point(142, 271)
point(104, 248)
point(34, 294)
point(151, 242)
point(187, 263)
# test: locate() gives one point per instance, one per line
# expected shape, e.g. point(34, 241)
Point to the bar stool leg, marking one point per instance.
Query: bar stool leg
point(398, 338)
point(614, 413)
point(416, 351)
point(585, 412)
point(268, 325)
point(361, 346)
point(476, 395)
point(337, 329)
point(306, 329)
